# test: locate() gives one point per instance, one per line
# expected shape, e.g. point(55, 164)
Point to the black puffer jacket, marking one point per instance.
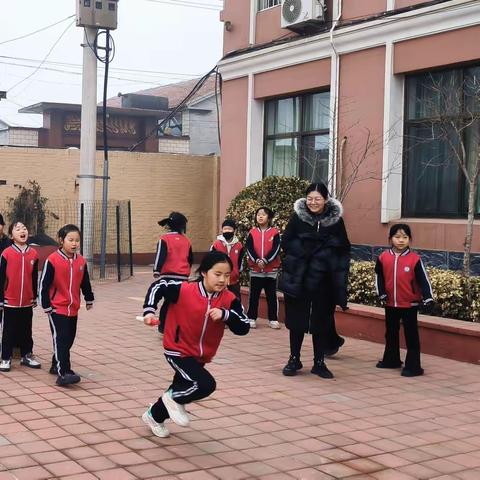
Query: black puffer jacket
point(317, 251)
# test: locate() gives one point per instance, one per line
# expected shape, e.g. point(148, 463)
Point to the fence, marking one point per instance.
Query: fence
point(44, 221)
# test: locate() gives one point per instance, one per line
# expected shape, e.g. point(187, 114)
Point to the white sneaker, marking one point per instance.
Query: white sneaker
point(158, 429)
point(253, 324)
point(5, 365)
point(274, 324)
point(176, 411)
point(29, 361)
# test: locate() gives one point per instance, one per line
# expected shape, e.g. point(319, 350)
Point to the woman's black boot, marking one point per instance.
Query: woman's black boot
point(319, 368)
point(293, 364)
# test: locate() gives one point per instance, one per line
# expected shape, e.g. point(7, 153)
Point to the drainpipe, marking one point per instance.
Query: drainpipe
point(334, 91)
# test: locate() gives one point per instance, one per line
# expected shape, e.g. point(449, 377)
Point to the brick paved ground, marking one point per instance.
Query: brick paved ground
point(366, 423)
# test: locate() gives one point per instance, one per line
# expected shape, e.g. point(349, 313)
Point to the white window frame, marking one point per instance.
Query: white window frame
point(265, 4)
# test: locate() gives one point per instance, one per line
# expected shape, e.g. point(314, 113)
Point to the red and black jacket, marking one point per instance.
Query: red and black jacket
point(62, 279)
point(189, 331)
point(174, 256)
point(263, 245)
point(401, 279)
point(18, 277)
point(235, 251)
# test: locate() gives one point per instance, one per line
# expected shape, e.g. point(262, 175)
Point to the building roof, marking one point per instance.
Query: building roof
point(175, 92)
point(14, 120)
point(134, 112)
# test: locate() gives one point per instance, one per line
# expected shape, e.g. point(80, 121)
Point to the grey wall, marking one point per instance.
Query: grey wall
point(203, 129)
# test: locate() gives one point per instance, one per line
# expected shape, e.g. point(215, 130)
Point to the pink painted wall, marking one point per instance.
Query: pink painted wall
point(354, 9)
point(439, 50)
point(407, 3)
point(267, 27)
point(289, 80)
point(361, 96)
point(234, 140)
point(237, 12)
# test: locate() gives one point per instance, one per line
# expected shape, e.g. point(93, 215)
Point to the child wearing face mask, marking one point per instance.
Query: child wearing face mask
point(18, 293)
point(227, 242)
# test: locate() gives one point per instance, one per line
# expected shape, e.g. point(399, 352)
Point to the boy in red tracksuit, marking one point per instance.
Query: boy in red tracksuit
point(263, 256)
point(64, 274)
point(196, 320)
point(174, 256)
point(402, 283)
point(18, 296)
point(228, 243)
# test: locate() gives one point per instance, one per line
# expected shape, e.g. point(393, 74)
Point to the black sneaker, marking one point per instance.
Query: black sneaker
point(411, 373)
point(293, 364)
point(382, 364)
point(53, 370)
point(329, 352)
point(320, 369)
point(67, 379)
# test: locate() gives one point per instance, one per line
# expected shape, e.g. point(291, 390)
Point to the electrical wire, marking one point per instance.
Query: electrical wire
point(36, 31)
point(218, 84)
point(173, 112)
point(42, 62)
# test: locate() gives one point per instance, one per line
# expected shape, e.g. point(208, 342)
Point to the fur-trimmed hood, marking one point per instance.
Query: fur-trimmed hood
point(330, 216)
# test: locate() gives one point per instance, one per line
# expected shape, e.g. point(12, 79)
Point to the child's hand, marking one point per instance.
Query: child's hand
point(89, 306)
point(261, 264)
point(215, 314)
point(149, 319)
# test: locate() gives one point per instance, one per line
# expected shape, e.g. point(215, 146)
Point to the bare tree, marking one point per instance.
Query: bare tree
point(452, 108)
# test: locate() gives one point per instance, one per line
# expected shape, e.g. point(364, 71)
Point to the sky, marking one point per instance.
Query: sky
point(157, 42)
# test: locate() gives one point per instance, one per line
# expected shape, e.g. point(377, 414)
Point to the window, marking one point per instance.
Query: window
point(442, 126)
point(263, 4)
point(173, 127)
point(297, 137)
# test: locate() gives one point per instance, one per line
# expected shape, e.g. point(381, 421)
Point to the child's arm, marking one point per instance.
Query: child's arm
point(160, 258)
point(236, 319)
point(3, 278)
point(35, 282)
point(169, 289)
point(380, 280)
point(249, 247)
point(273, 253)
point(87, 289)
point(45, 283)
point(422, 279)
point(190, 257)
point(241, 254)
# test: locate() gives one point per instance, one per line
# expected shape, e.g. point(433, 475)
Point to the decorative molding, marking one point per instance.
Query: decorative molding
point(404, 26)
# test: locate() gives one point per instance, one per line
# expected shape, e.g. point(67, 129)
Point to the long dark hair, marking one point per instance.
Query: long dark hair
point(210, 260)
point(319, 187)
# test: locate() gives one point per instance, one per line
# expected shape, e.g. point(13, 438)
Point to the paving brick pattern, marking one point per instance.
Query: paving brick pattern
point(364, 424)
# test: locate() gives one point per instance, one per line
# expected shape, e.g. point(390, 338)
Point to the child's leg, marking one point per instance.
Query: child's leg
point(191, 382)
point(412, 340)
point(270, 285)
point(63, 331)
point(391, 356)
point(25, 339)
point(8, 332)
point(256, 286)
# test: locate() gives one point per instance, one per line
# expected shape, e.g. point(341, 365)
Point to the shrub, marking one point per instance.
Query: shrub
point(455, 295)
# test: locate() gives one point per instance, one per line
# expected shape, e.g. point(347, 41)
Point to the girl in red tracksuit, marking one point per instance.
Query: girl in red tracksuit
point(263, 249)
point(402, 283)
point(64, 274)
point(18, 296)
point(196, 320)
point(174, 257)
point(228, 243)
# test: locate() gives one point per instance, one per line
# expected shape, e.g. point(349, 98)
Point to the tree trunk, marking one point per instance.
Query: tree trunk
point(472, 193)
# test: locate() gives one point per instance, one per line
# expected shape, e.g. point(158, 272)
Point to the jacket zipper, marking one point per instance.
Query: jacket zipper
point(70, 287)
point(263, 241)
point(204, 328)
point(23, 279)
point(395, 280)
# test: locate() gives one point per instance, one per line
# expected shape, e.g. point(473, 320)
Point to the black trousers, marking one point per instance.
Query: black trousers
point(235, 289)
point(16, 330)
point(408, 316)
point(296, 341)
point(257, 284)
point(191, 382)
point(63, 330)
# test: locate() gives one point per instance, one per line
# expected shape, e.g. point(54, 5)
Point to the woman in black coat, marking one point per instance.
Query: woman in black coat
point(314, 277)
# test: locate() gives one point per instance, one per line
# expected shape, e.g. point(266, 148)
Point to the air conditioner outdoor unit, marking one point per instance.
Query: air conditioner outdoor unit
point(302, 15)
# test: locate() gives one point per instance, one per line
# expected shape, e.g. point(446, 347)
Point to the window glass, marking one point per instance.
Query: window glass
point(282, 116)
point(282, 157)
point(314, 163)
point(317, 112)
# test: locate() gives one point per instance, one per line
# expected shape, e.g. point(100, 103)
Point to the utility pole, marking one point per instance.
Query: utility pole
point(88, 141)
